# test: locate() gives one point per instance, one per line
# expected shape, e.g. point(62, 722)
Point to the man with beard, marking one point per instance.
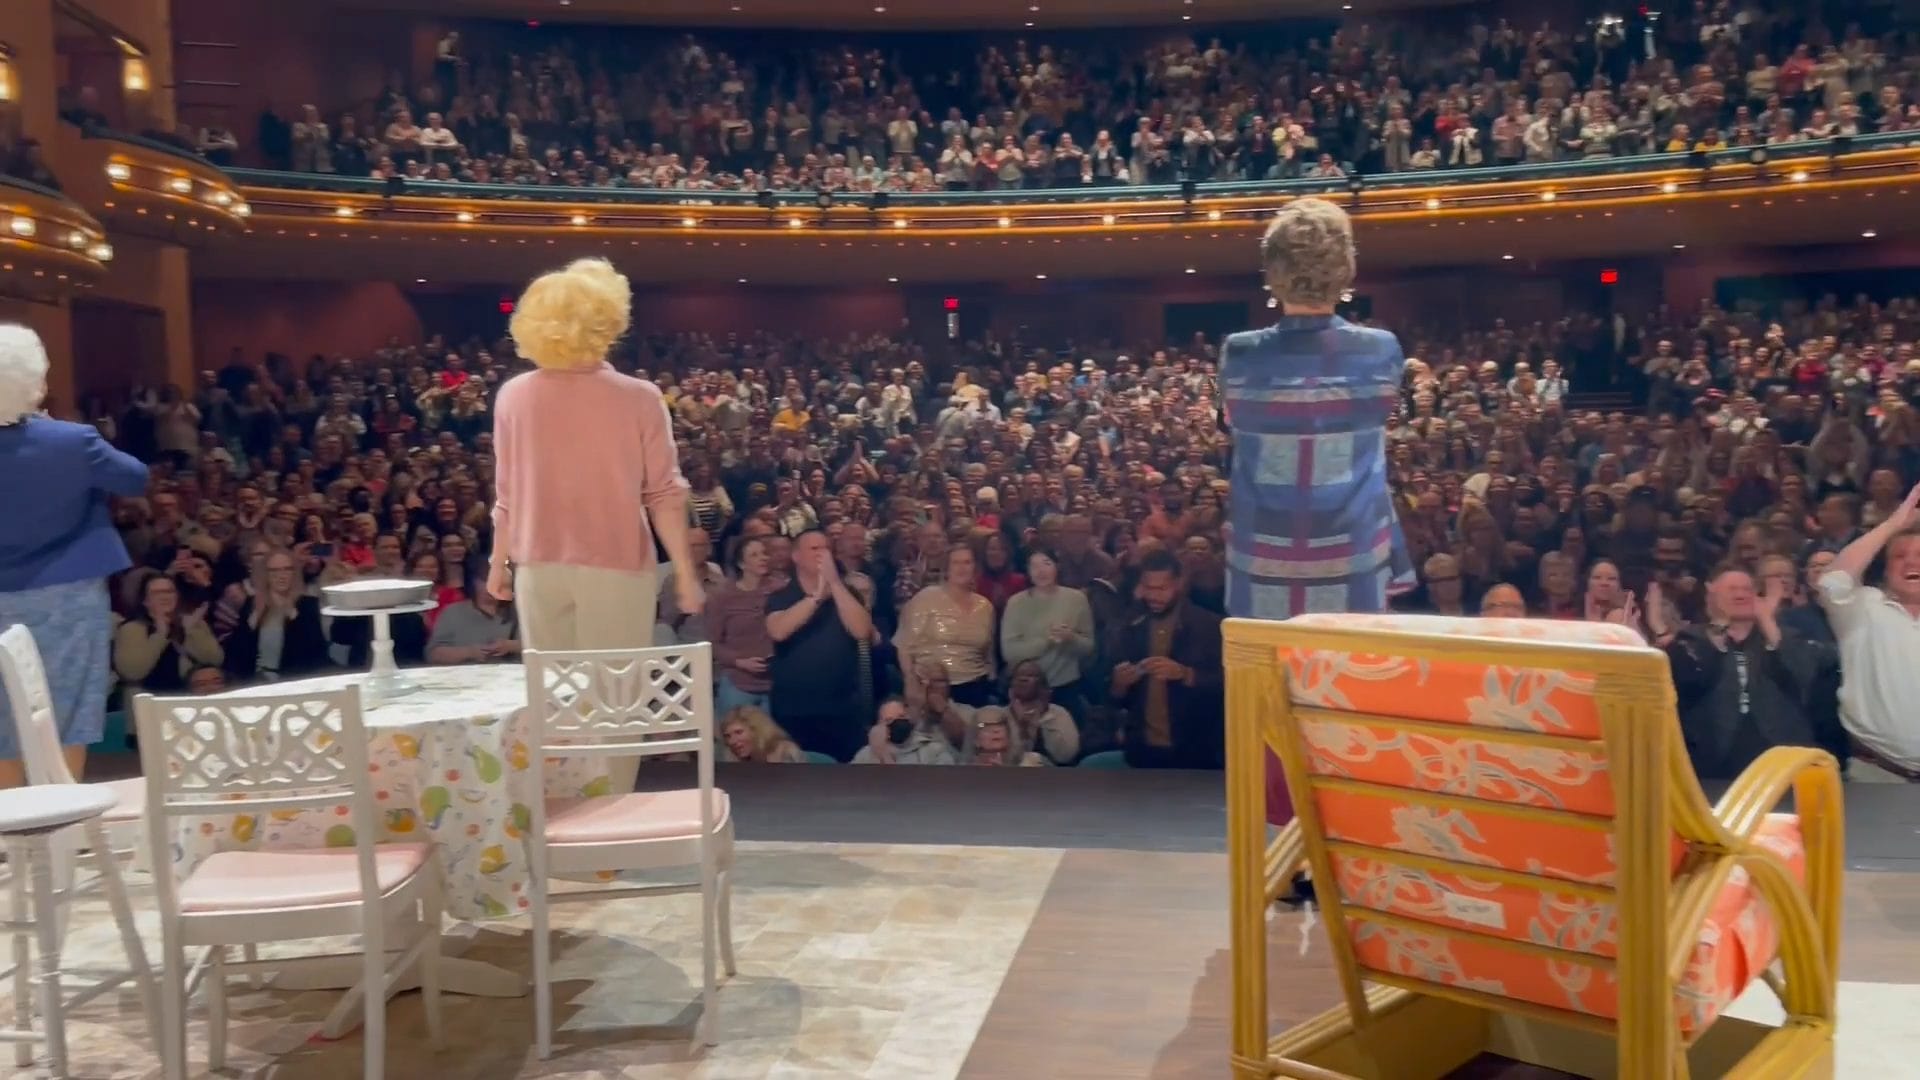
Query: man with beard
point(1168, 674)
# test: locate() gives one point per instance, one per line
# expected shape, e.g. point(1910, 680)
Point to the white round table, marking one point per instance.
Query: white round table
point(453, 762)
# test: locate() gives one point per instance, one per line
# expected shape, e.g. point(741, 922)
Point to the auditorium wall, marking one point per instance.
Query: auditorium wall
point(299, 319)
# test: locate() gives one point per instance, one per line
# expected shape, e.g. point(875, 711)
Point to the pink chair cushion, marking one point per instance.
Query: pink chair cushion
point(642, 815)
point(130, 800)
point(259, 880)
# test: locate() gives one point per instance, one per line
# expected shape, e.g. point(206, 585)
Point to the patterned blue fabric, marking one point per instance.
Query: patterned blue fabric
point(1311, 525)
point(72, 625)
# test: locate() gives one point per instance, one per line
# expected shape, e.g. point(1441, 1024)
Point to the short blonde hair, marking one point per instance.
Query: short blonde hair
point(23, 373)
point(569, 318)
point(1308, 253)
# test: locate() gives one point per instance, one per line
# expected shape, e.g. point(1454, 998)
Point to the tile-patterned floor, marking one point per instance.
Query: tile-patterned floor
point(854, 961)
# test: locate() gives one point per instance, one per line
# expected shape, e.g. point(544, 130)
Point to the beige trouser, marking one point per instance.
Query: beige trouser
point(587, 607)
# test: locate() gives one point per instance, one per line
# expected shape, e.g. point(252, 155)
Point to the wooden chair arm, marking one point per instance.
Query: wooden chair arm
point(1765, 782)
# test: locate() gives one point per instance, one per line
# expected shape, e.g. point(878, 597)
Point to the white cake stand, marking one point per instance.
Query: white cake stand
point(385, 681)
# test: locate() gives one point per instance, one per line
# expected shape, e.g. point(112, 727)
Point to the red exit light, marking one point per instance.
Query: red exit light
point(953, 303)
point(1609, 277)
point(506, 305)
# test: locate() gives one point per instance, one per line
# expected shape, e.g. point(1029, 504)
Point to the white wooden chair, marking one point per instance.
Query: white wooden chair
point(108, 837)
point(264, 753)
point(630, 703)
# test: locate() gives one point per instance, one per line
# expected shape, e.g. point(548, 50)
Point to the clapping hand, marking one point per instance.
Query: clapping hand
point(1059, 633)
point(1767, 604)
point(1902, 516)
point(1164, 667)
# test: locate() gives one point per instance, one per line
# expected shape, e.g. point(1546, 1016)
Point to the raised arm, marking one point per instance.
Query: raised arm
point(1854, 559)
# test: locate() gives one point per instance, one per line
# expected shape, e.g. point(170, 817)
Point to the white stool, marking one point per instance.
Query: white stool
point(29, 817)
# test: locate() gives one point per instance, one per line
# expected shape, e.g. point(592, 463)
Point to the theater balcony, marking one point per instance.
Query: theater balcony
point(1805, 193)
point(153, 189)
point(49, 245)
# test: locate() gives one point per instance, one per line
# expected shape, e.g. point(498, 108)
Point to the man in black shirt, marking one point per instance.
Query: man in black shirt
point(817, 625)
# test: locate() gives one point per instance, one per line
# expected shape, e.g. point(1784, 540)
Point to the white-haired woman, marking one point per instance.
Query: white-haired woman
point(57, 548)
point(1311, 521)
point(586, 474)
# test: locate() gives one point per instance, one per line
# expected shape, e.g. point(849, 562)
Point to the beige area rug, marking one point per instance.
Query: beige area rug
point(855, 961)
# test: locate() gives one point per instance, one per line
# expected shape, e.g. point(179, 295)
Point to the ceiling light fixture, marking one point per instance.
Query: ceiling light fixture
point(689, 222)
point(1433, 204)
point(1548, 196)
point(419, 281)
point(180, 184)
point(1006, 223)
point(343, 211)
point(464, 216)
point(1192, 270)
point(1213, 215)
point(1039, 277)
point(118, 171)
point(24, 227)
point(743, 281)
point(243, 210)
point(1798, 176)
point(1868, 234)
point(76, 240)
point(101, 252)
point(1679, 247)
point(1669, 187)
point(893, 281)
point(578, 219)
point(1506, 258)
point(794, 223)
point(899, 223)
point(1108, 219)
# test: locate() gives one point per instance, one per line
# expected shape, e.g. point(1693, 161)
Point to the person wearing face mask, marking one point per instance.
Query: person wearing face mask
point(897, 740)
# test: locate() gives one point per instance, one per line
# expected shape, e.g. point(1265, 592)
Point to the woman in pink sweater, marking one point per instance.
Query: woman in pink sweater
point(585, 464)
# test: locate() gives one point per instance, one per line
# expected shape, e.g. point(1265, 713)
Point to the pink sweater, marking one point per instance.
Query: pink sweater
point(583, 458)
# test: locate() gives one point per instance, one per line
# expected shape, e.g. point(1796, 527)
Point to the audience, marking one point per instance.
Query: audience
point(853, 609)
point(645, 109)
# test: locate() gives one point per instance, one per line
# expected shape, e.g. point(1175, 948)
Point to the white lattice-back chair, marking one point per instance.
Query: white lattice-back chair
point(262, 754)
point(630, 703)
point(108, 838)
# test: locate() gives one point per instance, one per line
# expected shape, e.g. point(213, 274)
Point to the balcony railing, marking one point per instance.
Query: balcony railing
point(1786, 155)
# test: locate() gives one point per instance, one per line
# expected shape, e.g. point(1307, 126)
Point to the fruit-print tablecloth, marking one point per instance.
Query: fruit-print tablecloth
point(452, 762)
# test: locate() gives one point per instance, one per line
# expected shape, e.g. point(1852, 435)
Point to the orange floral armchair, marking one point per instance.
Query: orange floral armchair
point(1513, 856)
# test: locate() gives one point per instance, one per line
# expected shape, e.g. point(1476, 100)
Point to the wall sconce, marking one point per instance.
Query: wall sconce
point(9, 88)
point(134, 75)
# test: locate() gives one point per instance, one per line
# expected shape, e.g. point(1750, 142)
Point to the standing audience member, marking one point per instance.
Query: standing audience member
point(278, 634)
point(1742, 683)
point(1052, 625)
point(817, 625)
point(1168, 674)
point(1879, 634)
point(950, 626)
point(737, 621)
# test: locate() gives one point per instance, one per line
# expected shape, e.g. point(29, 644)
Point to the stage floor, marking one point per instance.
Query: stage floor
point(936, 923)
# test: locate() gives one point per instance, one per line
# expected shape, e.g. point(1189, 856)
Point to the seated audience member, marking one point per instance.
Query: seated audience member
point(1742, 682)
point(1038, 723)
point(1879, 634)
point(1051, 624)
point(736, 618)
point(278, 634)
point(817, 625)
point(1443, 589)
point(749, 734)
point(159, 645)
point(951, 625)
point(1559, 586)
point(477, 630)
point(1503, 601)
point(1168, 674)
point(206, 681)
point(994, 742)
point(1808, 617)
point(898, 740)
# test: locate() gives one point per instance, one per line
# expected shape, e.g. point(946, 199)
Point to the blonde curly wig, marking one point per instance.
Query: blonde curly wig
point(1308, 253)
point(569, 318)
